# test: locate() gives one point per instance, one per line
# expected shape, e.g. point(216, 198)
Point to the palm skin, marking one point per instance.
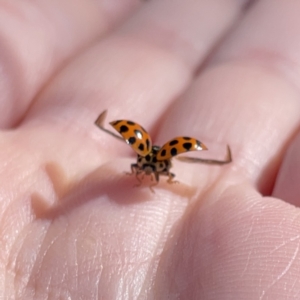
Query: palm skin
point(72, 225)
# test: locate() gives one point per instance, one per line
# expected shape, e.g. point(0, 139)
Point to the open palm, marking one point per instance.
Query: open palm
point(73, 226)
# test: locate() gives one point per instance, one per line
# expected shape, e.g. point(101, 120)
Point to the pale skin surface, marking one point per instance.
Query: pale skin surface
point(72, 225)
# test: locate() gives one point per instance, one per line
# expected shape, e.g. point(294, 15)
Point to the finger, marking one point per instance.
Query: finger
point(287, 182)
point(38, 37)
point(234, 245)
point(138, 69)
point(249, 95)
point(187, 29)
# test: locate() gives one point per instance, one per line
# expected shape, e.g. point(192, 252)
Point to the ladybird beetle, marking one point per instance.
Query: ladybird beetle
point(154, 160)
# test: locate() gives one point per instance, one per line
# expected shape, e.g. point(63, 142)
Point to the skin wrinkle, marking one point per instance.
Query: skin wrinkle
point(284, 243)
point(4, 215)
point(284, 272)
point(8, 222)
point(289, 264)
point(19, 260)
point(139, 270)
point(296, 218)
point(251, 250)
point(292, 288)
point(94, 260)
point(286, 185)
point(42, 259)
point(143, 289)
point(48, 284)
point(73, 267)
point(173, 283)
point(247, 262)
point(157, 251)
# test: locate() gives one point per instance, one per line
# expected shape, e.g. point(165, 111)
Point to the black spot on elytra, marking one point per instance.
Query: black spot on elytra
point(154, 159)
point(187, 146)
point(132, 140)
point(174, 142)
point(186, 138)
point(130, 123)
point(141, 147)
point(173, 151)
point(163, 152)
point(124, 128)
point(148, 157)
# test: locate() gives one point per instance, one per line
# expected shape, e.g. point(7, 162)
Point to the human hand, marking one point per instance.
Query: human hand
point(72, 226)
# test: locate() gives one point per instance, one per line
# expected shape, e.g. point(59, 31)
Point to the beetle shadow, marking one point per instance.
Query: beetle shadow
point(71, 194)
point(105, 182)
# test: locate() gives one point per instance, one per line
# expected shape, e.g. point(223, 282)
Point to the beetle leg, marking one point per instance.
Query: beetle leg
point(156, 177)
point(135, 171)
point(171, 178)
point(133, 168)
point(138, 179)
